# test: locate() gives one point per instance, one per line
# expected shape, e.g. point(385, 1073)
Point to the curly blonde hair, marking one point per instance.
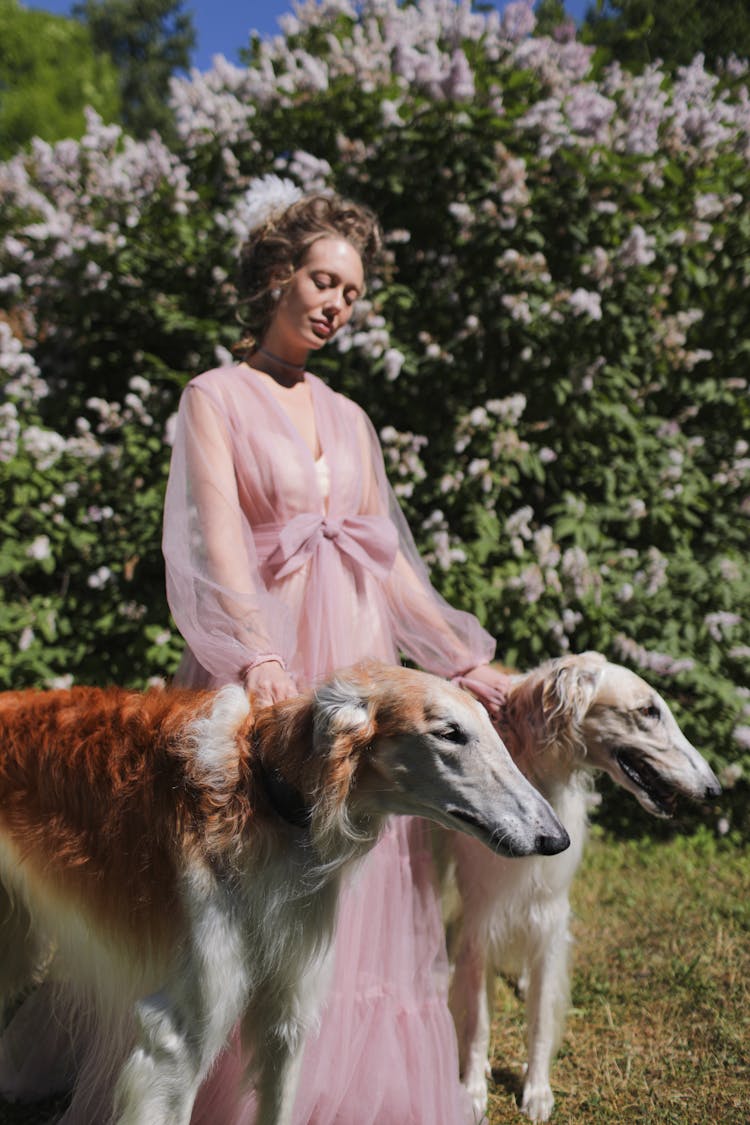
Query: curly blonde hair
point(273, 252)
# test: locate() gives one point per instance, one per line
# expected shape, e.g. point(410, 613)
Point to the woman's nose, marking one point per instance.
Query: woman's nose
point(335, 301)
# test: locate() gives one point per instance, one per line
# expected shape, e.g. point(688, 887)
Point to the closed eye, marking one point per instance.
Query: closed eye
point(452, 732)
point(324, 281)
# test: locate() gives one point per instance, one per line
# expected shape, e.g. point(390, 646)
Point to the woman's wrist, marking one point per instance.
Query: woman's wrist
point(468, 671)
point(261, 658)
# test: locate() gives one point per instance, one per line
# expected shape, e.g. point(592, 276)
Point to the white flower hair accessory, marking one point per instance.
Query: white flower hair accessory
point(266, 198)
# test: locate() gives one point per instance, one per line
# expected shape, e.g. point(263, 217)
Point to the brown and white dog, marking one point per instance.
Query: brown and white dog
point(568, 718)
point(159, 852)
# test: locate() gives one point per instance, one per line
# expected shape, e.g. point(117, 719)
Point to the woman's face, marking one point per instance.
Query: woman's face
point(318, 300)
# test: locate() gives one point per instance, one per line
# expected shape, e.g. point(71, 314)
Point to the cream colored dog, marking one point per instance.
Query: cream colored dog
point(570, 717)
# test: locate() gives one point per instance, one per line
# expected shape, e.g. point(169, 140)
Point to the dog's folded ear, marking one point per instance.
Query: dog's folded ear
point(341, 709)
point(571, 689)
point(343, 727)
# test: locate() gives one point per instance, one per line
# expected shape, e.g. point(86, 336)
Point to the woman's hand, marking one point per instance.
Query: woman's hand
point(489, 685)
point(269, 683)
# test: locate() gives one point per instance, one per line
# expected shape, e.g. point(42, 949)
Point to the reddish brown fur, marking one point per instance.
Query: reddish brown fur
point(97, 795)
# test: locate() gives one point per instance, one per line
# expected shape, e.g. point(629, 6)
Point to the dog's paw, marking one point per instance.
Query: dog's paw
point(479, 1109)
point(537, 1101)
point(476, 1087)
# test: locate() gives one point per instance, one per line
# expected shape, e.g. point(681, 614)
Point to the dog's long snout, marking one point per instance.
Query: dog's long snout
point(550, 836)
point(705, 784)
point(552, 845)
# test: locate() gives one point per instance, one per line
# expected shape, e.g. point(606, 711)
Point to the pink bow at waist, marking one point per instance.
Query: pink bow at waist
point(371, 541)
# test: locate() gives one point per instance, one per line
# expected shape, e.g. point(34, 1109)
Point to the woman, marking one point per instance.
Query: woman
point(287, 557)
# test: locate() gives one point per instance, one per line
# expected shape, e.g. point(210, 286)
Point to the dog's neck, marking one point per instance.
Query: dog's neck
point(279, 738)
point(284, 798)
point(543, 745)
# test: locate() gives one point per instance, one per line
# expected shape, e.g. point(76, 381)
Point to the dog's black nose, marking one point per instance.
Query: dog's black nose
point(551, 845)
point(713, 789)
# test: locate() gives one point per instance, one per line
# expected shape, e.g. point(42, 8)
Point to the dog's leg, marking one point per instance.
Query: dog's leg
point(470, 1008)
point(181, 1029)
point(276, 1051)
point(546, 1006)
point(160, 1079)
point(277, 1068)
point(274, 1030)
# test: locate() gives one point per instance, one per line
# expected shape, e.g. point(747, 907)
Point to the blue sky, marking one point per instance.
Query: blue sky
point(223, 26)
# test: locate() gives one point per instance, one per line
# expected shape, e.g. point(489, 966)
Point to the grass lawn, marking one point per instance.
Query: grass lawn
point(659, 1032)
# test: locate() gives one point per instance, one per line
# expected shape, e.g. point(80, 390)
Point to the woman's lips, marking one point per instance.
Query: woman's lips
point(322, 328)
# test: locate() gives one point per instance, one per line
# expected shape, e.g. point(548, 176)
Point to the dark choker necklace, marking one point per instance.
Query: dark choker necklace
point(280, 361)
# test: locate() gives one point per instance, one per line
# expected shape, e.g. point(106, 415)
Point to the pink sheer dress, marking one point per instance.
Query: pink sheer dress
point(270, 554)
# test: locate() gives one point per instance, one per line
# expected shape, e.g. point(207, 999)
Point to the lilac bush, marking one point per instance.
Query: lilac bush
point(556, 353)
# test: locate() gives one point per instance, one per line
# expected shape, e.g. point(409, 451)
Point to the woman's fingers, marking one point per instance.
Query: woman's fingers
point(269, 683)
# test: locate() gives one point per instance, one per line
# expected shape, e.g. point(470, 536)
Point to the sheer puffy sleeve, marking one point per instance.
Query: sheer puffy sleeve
point(437, 637)
point(215, 592)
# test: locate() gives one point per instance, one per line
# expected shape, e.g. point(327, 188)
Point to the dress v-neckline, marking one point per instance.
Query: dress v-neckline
point(295, 430)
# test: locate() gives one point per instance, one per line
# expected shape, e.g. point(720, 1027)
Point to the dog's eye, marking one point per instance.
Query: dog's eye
point(650, 711)
point(452, 732)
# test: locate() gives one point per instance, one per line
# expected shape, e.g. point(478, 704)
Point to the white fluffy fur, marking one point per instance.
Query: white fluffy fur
point(212, 738)
point(568, 718)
